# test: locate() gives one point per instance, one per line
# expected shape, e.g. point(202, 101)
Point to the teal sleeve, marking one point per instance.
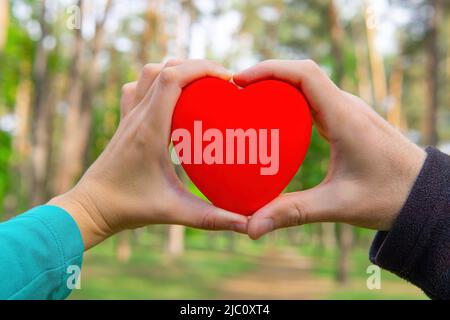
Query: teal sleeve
point(41, 252)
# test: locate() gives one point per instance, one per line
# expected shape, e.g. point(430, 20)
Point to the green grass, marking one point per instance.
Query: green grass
point(374, 295)
point(150, 274)
point(392, 287)
point(208, 263)
point(326, 260)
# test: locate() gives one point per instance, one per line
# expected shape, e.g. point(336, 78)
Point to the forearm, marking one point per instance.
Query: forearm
point(417, 247)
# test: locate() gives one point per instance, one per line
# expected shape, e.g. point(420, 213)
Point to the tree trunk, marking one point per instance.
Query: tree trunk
point(153, 47)
point(123, 247)
point(20, 166)
point(211, 239)
point(21, 142)
point(90, 87)
point(68, 168)
point(345, 239)
point(231, 241)
point(79, 117)
point(394, 112)
point(328, 235)
point(362, 60)
point(153, 41)
point(175, 243)
point(376, 62)
point(176, 233)
point(294, 236)
point(430, 134)
point(42, 113)
point(336, 45)
point(4, 22)
point(336, 41)
point(42, 145)
point(123, 251)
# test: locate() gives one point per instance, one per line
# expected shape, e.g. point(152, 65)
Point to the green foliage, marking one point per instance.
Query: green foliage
point(5, 154)
point(314, 167)
point(16, 60)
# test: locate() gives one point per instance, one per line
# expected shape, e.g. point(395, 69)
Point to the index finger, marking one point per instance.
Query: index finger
point(169, 85)
point(306, 75)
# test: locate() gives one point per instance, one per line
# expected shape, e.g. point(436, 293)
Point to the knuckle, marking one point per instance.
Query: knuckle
point(127, 87)
point(172, 62)
point(310, 65)
point(168, 76)
point(297, 214)
point(209, 221)
point(150, 69)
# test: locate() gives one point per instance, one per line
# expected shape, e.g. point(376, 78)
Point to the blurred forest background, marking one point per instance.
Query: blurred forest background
point(62, 65)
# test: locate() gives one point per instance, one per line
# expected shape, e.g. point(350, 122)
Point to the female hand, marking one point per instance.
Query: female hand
point(372, 165)
point(133, 182)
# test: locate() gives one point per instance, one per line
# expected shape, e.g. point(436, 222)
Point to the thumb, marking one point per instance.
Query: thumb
point(293, 209)
point(194, 212)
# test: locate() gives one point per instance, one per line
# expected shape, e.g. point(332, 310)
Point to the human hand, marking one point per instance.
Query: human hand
point(133, 182)
point(372, 165)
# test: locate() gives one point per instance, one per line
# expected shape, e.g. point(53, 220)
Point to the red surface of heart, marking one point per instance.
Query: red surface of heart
point(261, 109)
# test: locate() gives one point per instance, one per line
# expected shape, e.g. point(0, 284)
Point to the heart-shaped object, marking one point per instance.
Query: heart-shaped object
point(241, 147)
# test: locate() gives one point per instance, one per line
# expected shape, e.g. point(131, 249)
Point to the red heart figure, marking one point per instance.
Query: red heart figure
point(241, 147)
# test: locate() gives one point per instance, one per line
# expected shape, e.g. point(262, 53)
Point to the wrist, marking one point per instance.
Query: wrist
point(409, 169)
point(93, 227)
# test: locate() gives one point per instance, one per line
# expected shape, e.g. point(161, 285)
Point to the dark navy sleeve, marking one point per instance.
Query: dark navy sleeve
point(417, 248)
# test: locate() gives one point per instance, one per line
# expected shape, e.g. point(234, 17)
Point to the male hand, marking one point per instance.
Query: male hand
point(372, 167)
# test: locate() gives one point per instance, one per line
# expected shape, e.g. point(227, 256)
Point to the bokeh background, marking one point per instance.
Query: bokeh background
point(62, 65)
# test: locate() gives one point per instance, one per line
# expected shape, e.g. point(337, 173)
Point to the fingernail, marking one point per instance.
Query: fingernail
point(265, 226)
point(240, 227)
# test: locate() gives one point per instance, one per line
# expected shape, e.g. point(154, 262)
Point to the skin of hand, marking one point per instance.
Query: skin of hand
point(133, 182)
point(372, 165)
